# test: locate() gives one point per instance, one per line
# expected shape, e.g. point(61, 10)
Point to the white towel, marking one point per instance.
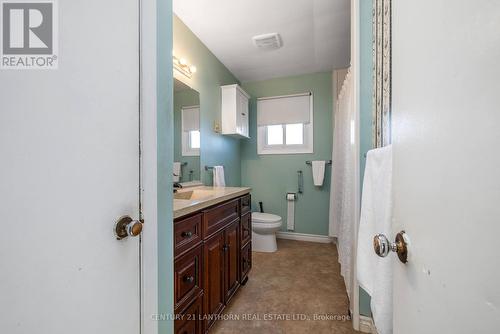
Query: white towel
point(219, 180)
point(318, 170)
point(177, 172)
point(375, 273)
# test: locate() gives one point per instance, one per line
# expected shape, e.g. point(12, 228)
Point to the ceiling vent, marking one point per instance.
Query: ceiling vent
point(268, 41)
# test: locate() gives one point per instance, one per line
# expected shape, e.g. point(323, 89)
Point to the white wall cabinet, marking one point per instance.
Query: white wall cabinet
point(234, 111)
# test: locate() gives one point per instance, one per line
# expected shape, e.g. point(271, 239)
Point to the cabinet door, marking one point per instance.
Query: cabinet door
point(244, 115)
point(231, 261)
point(245, 229)
point(213, 276)
point(190, 322)
point(246, 261)
point(239, 112)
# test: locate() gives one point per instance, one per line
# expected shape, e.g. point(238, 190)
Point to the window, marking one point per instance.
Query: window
point(294, 134)
point(285, 124)
point(274, 135)
point(191, 131)
point(194, 139)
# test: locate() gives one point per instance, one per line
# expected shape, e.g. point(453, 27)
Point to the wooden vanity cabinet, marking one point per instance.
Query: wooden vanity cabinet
point(212, 257)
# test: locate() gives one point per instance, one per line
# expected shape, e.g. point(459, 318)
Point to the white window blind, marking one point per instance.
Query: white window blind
point(284, 109)
point(190, 118)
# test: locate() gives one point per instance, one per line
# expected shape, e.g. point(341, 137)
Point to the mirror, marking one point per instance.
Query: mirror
point(187, 136)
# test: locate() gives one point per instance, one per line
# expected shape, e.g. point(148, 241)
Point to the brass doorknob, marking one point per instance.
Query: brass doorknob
point(383, 246)
point(127, 227)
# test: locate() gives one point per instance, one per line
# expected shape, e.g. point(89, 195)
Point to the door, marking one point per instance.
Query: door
point(446, 134)
point(231, 253)
point(244, 114)
point(240, 113)
point(213, 277)
point(69, 145)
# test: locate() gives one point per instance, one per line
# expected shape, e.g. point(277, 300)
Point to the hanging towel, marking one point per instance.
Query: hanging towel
point(375, 273)
point(177, 171)
point(219, 176)
point(318, 170)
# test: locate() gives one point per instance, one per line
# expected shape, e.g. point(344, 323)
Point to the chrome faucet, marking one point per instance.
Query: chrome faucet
point(176, 185)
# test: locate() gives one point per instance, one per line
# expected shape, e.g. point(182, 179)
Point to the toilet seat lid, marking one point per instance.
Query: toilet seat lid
point(259, 217)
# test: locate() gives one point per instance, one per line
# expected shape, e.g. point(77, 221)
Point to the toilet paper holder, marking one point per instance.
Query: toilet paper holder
point(300, 181)
point(291, 196)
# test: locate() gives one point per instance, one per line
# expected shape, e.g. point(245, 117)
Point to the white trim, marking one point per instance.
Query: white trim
point(366, 325)
point(149, 237)
point(323, 239)
point(355, 64)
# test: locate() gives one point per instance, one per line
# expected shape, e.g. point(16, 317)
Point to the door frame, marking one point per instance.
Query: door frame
point(355, 66)
point(156, 103)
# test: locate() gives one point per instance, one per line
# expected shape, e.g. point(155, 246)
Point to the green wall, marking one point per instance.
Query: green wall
point(272, 176)
point(165, 151)
point(365, 117)
point(184, 98)
point(215, 148)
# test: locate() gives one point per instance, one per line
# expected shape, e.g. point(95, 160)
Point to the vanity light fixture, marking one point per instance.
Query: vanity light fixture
point(182, 66)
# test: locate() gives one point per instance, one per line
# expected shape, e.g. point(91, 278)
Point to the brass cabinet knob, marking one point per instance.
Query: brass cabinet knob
point(127, 227)
point(383, 246)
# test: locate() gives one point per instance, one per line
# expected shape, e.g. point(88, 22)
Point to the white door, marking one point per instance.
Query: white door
point(239, 113)
point(446, 126)
point(244, 115)
point(69, 168)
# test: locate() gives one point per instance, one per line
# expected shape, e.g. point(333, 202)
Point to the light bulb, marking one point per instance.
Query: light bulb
point(183, 61)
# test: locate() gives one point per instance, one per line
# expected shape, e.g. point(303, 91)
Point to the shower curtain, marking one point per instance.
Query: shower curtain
point(342, 201)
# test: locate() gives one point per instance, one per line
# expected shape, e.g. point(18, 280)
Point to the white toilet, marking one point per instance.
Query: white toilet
point(264, 228)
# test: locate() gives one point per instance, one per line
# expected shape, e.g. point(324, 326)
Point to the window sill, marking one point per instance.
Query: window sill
point(284, 151)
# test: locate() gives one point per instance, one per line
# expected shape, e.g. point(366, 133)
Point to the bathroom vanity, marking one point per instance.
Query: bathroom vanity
point(213, 253)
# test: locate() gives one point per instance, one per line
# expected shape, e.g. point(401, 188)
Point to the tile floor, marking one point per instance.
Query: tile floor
point(301, 279)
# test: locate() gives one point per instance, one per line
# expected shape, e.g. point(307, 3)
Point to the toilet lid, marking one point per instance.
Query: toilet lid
point(259, 217)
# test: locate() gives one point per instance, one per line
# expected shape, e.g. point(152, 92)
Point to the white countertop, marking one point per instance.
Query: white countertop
point(208, 196)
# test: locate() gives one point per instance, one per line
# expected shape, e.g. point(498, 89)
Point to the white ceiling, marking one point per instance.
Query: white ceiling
point(315, 34)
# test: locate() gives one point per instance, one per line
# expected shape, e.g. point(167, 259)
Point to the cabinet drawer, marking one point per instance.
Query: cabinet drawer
point(246, 204)
point(246, 260)
point(246, 229)
point(187, 234)
point(187, 277)
point(217, 218)
point(190, 321)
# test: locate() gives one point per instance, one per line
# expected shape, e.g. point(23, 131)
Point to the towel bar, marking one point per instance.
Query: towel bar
point(210, 167)
point(309, 162)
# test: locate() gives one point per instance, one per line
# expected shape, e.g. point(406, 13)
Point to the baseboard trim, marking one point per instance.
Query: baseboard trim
point(304, 237)
point(366, 325)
